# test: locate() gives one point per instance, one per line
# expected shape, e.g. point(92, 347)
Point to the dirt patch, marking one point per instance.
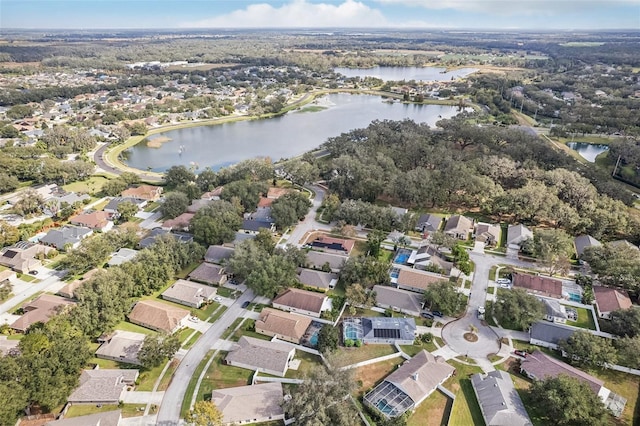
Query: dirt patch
point(470, 337)
point(371, 374)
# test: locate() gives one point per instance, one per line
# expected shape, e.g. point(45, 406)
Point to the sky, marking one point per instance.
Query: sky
point(410, 14)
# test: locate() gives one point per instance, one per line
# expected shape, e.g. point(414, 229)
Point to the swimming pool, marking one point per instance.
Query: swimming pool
point(401, 258)
point(314, 338)
point(351, 332)
point(384, 407)
point(395, 272)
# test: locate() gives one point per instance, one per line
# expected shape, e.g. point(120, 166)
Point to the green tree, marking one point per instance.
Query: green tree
point(444, 297)
point(567, 401)
point(138, 128)
point(628, 350)
point(8, 183)
point(322, 399)
point(615, 265)
point(588, 349)
point(328, 338)
point(289, 209)
point(175, 203)
point(126, 210)
point(247, 192)
point(207, 180)
point(157, 349)
point(357, 295)
point(178, 175)
point(113, 187)
point(205, 413)
point(8, 234)
point(374, 240)
point(625, 322)
point(367, 271)
point(553, 247)
point(300, 171)
point(30, 202)
point(517, 308)
point(216, 223)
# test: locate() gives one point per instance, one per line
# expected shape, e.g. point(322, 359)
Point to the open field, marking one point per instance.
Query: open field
point(89, 186)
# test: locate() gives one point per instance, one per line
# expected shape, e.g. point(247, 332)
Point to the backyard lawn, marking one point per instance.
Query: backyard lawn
point(220, 376)
point(308, 361)
point(411, 350)
point(128, 410)
point(246, 330)
point(89, 186)
point(129, 326)
point(432, 411)
point(466, 410)
point(348, 356)
point(585, 318)
point(370, 375)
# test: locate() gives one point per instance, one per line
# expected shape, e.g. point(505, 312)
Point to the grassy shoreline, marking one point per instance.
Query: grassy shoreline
point(112, 156)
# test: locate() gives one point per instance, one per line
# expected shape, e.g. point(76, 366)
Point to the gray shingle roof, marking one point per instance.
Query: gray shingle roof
point(259, 353)
point(218, 254)
point(102, 385)
point(499, 401)
point(108, 418)
point(550, 332)
point(404, 300)
point(65, 235)
point(317, 279)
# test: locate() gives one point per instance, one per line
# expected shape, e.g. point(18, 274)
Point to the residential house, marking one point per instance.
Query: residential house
point(488, 233)
point(180, 223)
point(155, 233)
point(610, 299)
point(209, 273)
point(158, 316)
point(250, 404)
point(198, 204)
point(112, 205)
point(121, 346)
point(242, 236)
point(253, 226)
point(459, 227)
point(582, 242)
point(415, 280)
point(7, 276)
point(537, 284)
point(275, 193)
point(41, 309)
point(499, 401)
point(549, 335)
point(380, 330)
point(539, 366)
point(333, 245)
point(282, 325)
point(23, 256)
point(554, 311)
point(65, 238)
point(69, 289)
point(623, 243)
point(302, 302)
point(122, 256)
point(103, 386)
point(517, 234)
point(8, 347)
point(409, 385)
point(59, 198)
point(261, 355)
point(107, 418)
point(317, 279)
point(397, 300)
point(427, 256)
point(212, 195)
point(218, 254)
point(429, 223)
point(189, 293)
point(143, 192)
point(96, 221)
point(321, 260)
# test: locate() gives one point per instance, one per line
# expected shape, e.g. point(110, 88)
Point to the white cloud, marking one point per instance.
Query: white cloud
point(514, 7)
point(297, 14)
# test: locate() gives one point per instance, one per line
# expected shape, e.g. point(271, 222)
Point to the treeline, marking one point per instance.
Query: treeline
point(512, 175)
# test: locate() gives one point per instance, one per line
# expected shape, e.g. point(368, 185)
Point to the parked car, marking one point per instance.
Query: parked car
point(523, 354)
point(427, 315)
point(34, 272)
point(245, 304)
point(503, 281)
point(217, 299)
point(437, 313)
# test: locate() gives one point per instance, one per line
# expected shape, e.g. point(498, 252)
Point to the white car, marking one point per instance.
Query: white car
point(217, 299)
point(503, 281)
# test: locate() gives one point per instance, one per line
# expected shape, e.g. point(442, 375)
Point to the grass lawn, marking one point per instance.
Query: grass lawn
point(492, 272)
point(360, 312)
point(432, 412)
point(128, 410)
point(28, 278)
point(151, 206)
point(192, 341)
point(186, 402)
point(385, 255)
point(247, 330)
point(148, 378)
point(359, 249)
point(307, 362)
point(338, 290)
point(187, 270)
point(229, 331)
point(585, 318)
point(168, 375)
point(626, 385)
point(184, 334)
point(220, 376)
point(129, 326)
point(89, 186)
point(225, 292)
point(411, 350)
point(348, 356)
point(370, 375)
point(466, 410)
point(218, 313)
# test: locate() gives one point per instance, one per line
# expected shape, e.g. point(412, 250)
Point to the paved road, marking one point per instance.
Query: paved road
point(51, 282)
point(98, 157)
point(309, 223)
point(169, 414)
point(453, 332)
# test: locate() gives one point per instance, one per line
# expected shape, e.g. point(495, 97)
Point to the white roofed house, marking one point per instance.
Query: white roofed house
point(189, 293)
point(516, 234)
point(250, 404)
point(499, 401)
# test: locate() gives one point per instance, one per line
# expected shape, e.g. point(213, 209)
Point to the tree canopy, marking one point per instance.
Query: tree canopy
point(216, 223)
point(615, 265)
point(588, 349)
point(517, 308)
point(444, 297)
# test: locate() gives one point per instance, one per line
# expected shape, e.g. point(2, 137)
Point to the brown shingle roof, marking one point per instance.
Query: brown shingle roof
point(277, 192)
point(69, 289)
point(181, 221)
point(283, 323)
point(40, 309)
point(145, 192)
point(189, 292)
point(301, 299)
point(246, 403)
point(157, 315)
point(611, 299)
point(538, 284)
point(541, 366)
point(419, 280)
point(207, 273)
point(94, 220)
point(102, 385)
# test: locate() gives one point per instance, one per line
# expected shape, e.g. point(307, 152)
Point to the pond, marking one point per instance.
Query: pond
point(407, 73)
point(588, 151)
point(286, 136)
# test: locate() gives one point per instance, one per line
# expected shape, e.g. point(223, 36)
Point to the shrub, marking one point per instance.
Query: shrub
point(348, 343)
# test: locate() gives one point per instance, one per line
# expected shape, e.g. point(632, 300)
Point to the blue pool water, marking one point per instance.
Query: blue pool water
point(401, 258)
point(351, 333)
point(314, 339)
point(395, 272)
point(384, 406)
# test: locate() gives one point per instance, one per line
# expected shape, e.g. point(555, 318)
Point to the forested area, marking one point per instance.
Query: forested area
point(52, 355)
point(504, 173)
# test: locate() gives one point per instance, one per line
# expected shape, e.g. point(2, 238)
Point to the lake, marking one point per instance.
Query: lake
point(407, 73)
point(588, 151)
point(286, 136)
